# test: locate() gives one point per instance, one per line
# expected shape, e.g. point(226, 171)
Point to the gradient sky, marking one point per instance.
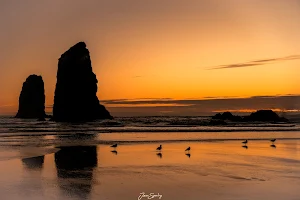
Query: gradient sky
point(155, 48)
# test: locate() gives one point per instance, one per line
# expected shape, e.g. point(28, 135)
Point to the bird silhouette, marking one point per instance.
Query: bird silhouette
point(245, 146)
point(245, 142)
point(159, 155)
point(188, 155)
point(273, 146)
point(114, 146)
point(159, 148)
point(273, 140)
point(188, 149)
point(114, 152)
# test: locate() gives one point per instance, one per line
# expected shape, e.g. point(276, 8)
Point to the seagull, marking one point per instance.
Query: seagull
point(273, 140)
point(114, 146)
point(159, 148)
point(245, 142)
point(188, 149)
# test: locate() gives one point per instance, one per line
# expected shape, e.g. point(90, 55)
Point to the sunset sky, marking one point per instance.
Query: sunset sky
point(179, 50)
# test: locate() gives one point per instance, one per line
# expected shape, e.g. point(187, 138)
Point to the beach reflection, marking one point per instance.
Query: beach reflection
point(75, 167)
point(217, 170)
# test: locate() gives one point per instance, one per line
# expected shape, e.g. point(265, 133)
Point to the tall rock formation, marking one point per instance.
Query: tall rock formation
point(75, 97)
point(32, 98)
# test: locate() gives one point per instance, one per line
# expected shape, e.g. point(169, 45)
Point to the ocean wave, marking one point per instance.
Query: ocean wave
point(136, 124)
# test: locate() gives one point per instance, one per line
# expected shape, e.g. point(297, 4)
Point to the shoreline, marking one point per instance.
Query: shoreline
point(133, 138)
point(215, 171)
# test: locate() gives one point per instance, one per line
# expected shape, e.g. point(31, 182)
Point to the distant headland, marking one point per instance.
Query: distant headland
point(258, 116)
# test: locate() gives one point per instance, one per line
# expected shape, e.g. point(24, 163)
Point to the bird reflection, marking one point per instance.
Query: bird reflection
point(34, 162)
point(188, 155)
point(114, 152)
point(75, 169)
point(245, 146)
point(159, 155)
point(273, 146)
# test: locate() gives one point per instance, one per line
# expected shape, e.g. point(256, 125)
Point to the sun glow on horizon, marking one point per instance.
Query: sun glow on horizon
point(142, 50)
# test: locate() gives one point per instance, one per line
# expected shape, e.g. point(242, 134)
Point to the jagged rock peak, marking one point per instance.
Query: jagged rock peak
point(78, 48)
point(76, 87)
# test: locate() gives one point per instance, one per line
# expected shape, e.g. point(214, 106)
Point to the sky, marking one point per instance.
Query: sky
point(153, 50)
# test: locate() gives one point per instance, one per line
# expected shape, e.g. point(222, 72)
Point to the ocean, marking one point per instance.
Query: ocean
point(54, 161)
point(138, 130)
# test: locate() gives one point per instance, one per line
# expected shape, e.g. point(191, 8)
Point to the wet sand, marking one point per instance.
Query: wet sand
point(212, 170)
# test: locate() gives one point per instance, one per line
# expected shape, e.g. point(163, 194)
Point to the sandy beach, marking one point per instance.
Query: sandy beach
point(211, 170)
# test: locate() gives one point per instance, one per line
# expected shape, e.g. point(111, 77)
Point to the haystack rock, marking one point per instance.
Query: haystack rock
point(32, 98)
point(75, 97)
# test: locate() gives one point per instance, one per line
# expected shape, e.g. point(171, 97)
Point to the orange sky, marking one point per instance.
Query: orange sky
point(154, 48)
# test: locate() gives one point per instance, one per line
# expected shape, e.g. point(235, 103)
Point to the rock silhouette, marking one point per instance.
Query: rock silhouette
point(32, 98)
point(265, 115)
point(259, 116)
point(75, 97)
point(227, 116)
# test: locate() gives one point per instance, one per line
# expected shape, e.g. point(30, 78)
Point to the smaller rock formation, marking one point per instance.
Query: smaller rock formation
point(265, 116)
point(259, 116)
point(32, 98)
point(227, 116)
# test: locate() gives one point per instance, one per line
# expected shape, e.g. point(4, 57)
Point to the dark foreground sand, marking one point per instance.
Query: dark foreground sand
point(213, 170)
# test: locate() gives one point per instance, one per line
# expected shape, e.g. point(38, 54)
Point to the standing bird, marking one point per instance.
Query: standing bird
point(114, 146)
point(245, 142)
point(188, 149)
point(273, 140)
point(159, 148)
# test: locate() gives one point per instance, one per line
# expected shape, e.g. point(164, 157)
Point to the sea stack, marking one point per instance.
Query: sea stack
point(32, 98)
point(75, 98)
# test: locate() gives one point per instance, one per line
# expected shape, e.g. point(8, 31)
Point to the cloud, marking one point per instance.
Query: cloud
point(196, 107)
point(132, 101)
point(206, 106)
point(199, 101)
point(257, 62)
